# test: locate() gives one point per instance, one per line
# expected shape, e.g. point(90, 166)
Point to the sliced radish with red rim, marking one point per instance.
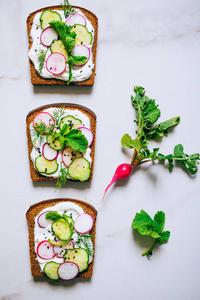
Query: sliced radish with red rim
point(56, 63)
point(81, 50)
point(47, 36)
point(44, 117)
point(60, 250)
point(68, 155)
point(76, 19)
point(45, 250)
point(49, 153)
point(88, 134)
point(68, 270)
point(42, 221)
point(83, 223)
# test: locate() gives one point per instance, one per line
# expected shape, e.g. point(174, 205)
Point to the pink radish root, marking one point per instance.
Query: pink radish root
point(123, 171)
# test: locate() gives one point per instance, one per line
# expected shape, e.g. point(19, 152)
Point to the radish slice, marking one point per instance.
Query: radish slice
point(45, 250)
point(76, 19)
point(56, 63)
point(42, 221)
point(60, 250)
point(88, 134)
point(49, 153)
point(45, 118)
point(47, 36)
point(68, 155)
point(68, 270)
point(83, 223)
point(81, 50)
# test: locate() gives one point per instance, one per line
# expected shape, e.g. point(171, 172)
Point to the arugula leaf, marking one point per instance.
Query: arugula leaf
point(152, 227)
point(53, 215)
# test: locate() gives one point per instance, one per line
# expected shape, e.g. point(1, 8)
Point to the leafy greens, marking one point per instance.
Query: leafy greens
point(148, 113)
point(151, 227)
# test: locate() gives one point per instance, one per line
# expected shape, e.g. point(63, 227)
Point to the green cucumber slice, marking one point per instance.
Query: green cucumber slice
point(83, 36)
point(62, 229)
point(78, 256)
point(50, 269)
point(45, 166)
point(48, 16)
point(57, 46)
point(54, 143)
point(80, 169)
point(73, 123)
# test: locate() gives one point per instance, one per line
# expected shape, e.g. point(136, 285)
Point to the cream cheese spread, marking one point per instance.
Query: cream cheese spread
point(38, 145)
point(40, 234)
point(78, 73)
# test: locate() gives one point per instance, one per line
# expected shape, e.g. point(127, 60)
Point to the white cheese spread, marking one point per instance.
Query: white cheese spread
point(38, 145)
point(40, 234)
point(78, 73)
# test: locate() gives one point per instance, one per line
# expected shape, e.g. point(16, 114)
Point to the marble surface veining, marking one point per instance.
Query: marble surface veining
point(154, 44)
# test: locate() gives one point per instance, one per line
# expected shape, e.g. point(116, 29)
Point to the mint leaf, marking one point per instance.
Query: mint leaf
point(164, 237)
point(145, 225)
point(154, 228)
point(76, 140)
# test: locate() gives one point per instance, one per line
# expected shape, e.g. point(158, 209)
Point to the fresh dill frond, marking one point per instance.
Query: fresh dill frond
point(67, 8)
point(41, 59)
point(39, 131)
point(86, 240)
point(62, 178)
point(57, 114)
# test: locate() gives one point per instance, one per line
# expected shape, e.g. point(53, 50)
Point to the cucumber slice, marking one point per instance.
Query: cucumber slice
point(62, 229)
point(48, 16)
point(51, 270)
point(78, 256)
point(83, 36)
point(57, 46)
point(79, 169)
point(45, 166)
point(71, 121)
point(54, 143)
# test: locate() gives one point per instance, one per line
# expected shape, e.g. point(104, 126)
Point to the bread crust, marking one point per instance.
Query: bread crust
point(34, 210)
point(36, 79)
point(35, 176)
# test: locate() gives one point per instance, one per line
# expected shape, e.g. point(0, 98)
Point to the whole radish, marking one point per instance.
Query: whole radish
point(123, 171)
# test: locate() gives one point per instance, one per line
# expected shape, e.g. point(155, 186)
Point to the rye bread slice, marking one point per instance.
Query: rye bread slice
point(36, 79)
point(35, 176)
point(34, 210)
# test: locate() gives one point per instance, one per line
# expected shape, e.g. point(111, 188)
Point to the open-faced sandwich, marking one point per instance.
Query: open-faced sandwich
point(62, 45)
point(61, 143)
point(62, 238)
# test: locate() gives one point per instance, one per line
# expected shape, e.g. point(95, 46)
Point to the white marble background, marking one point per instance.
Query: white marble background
point(152, 43)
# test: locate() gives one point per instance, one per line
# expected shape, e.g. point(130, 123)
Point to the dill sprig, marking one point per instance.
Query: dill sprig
point(67, 8)
point(86, 240)
point(41, 59)
point(57, 114)
point(39, 131)
point(62, 178)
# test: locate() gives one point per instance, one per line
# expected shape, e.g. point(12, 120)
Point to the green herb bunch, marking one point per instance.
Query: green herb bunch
point(147, 114)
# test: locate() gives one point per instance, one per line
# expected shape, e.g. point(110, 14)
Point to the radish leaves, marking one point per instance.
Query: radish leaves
point(147, 113)
point(152, 227)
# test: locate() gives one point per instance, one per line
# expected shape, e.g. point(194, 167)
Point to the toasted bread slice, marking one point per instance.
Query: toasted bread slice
point(34, 210)
point(36, 79)
point(29, 119)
